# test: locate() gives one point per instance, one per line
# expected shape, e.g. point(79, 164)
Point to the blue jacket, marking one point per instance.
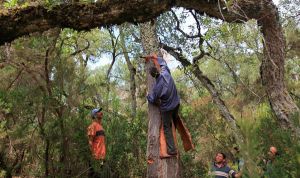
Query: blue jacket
point(164, 89)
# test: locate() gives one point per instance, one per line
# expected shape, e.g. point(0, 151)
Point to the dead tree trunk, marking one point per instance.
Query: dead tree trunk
point(157, 168)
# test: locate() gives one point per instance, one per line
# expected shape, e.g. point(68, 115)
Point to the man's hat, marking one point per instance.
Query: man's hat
point(94, 111)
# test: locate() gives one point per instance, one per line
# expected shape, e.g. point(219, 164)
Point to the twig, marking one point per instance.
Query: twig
point(219, 6)
point(11, 84)
point(83, 172)
point(180, 30)
point(296, 96)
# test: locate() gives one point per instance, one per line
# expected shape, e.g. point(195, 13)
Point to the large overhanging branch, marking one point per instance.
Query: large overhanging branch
point(23, 21)
point(17, 22)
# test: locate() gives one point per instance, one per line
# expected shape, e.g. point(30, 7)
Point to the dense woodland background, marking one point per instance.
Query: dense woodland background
point(50, 81)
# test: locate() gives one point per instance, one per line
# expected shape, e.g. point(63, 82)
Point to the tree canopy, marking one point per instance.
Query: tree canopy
point(235, 65)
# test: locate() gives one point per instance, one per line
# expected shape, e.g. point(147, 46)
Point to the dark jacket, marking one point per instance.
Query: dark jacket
point(164, 89)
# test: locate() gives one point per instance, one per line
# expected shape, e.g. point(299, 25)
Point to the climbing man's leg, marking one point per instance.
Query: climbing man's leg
point(182, 130)
point(175, 115)
point(167, 124)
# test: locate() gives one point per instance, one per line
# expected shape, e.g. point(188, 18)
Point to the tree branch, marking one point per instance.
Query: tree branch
point(18, 22)
point(206, 82)
point(81, 50)
point(180, 30)
point(19, 74)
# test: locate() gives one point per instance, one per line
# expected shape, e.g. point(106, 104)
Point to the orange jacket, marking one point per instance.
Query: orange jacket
point(96, 132)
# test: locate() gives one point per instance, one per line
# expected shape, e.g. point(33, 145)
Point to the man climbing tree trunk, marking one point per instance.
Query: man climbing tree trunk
point(157, 167)
point(22, 21)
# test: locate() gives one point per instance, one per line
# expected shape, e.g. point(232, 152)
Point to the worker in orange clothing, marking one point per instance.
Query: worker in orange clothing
point(96, 135)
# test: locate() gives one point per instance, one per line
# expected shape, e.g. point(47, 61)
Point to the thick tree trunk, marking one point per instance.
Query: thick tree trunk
point(157, 168)
point(272, 72)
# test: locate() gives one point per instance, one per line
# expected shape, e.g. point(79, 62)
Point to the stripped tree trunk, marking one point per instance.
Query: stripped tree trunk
point(157, 168)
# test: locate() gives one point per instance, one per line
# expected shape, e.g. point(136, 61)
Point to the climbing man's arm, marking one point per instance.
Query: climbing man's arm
point(154, 96)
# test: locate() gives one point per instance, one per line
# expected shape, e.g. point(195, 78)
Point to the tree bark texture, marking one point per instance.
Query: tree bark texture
point(272, 72)
point(156, 168)
point(84, 16)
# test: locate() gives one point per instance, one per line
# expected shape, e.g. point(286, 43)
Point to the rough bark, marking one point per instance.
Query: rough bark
point(272, 67)
point(162, 168)
point(23, 21)
point(272, 72)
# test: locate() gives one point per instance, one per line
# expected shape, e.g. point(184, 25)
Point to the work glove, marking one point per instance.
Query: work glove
point(153, 58)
